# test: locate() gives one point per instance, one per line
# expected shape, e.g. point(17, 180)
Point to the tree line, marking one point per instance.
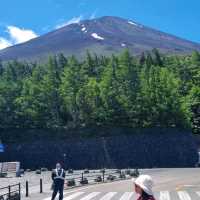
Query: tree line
point(150, 90)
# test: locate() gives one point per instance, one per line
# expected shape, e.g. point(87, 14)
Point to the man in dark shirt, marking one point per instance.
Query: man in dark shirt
point(58, 177)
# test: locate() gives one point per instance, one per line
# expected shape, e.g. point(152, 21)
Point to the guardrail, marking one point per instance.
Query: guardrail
point(11, 192)
point(94, 177)
point(80, 178)
point(89, 177)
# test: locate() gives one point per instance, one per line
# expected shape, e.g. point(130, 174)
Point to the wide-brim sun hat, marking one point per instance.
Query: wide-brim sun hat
point(145, 182)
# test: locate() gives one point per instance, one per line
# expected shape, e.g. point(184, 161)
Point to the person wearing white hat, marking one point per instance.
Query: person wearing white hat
point(143, 187)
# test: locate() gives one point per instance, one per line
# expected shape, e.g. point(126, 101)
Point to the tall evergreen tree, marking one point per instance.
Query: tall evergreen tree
point(157, 57)
point(71, 82)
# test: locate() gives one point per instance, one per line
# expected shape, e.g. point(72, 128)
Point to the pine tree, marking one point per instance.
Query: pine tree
point(149, 60)
point(71, 81)
point(61, 62)
point(157, 58)
point(1, 68)
point(142, 59)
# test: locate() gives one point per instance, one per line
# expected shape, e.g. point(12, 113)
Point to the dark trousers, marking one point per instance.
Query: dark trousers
point(58, 188)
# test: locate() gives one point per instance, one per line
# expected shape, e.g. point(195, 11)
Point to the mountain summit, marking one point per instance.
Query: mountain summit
point(105, 35)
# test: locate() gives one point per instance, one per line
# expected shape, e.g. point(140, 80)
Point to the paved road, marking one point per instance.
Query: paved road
point(170, 184)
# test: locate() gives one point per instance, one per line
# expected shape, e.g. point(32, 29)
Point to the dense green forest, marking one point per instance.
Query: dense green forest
point(151, 90)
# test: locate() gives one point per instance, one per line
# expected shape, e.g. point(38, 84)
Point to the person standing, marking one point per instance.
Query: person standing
point(58, 177)
point(143, 187)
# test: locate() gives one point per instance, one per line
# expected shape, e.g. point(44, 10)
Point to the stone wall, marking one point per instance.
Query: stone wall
point(145, 149)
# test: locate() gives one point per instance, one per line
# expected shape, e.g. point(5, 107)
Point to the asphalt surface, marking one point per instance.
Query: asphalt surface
point(170, 184)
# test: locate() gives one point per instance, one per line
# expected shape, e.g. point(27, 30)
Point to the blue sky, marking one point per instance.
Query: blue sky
point(21, 20)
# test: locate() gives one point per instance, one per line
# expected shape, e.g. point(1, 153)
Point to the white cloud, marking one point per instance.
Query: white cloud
point(74, 20)
point(16, 36)
point(4, 43)
point(19, 35)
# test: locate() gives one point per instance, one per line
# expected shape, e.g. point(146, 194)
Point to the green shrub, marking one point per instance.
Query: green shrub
point(14, 196)
point(3, 174)
point(38, 171)
point(103, 170)
point(86, 171)
point(43, 169)
point(111, 177)
point(127, 171)
point(122, 175)
point(71, 182)
point(98, 179)
point(84, 181)
point(70, 171)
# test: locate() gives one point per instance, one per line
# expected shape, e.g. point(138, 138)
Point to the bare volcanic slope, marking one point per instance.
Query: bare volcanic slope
point(105, 35)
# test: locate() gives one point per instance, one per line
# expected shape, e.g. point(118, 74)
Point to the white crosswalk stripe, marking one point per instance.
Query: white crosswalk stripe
point(183, 195)
point(108, 196)
point(73, 196)
point(126, 196)
point(90, 196)
point(164, 195)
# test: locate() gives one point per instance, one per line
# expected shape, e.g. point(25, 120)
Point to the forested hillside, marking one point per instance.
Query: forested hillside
point(152, 90)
